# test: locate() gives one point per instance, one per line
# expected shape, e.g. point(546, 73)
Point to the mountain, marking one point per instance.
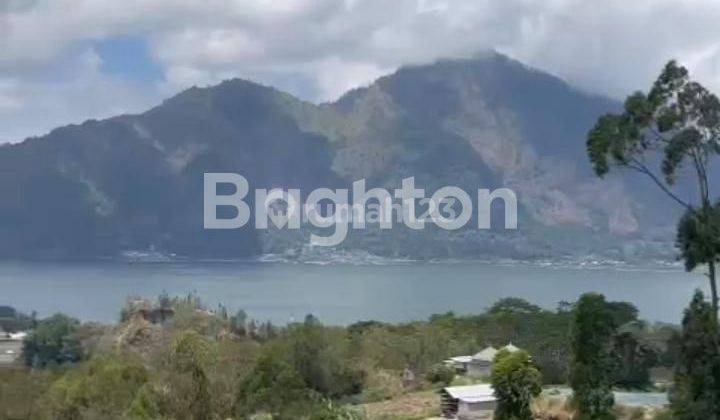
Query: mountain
point(135, 182)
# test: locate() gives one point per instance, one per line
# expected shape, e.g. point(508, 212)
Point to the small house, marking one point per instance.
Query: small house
point(460, 363)
point(468, 402)
point(10, 347)
point(479, 364)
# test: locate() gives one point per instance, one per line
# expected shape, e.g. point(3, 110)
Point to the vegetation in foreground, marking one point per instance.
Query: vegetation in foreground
point(173, 358)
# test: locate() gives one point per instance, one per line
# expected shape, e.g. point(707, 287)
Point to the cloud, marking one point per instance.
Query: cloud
point(318, 49)
point(35, 105)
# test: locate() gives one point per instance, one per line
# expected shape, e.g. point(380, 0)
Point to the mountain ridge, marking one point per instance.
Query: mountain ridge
point(134, 181)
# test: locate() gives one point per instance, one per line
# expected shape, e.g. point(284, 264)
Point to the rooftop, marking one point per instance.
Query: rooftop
point(487, 354)
point(472, 393)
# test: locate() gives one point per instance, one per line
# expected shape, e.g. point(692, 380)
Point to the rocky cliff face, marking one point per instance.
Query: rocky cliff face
point(135, 182)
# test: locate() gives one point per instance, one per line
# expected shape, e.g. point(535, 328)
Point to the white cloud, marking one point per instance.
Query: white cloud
point(35, 106)
point(321, 48)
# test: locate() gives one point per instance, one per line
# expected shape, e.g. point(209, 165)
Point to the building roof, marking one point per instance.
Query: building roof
point(461, 359)
point(20, 335)
point(511, 348)
point(472, 393)
point(486, 355)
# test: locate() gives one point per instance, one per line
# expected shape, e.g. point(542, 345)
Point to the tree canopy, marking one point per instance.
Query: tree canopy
point(677, 123)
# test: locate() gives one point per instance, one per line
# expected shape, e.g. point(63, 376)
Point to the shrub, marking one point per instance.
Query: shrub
point(102, 388)
point(696, 394)
point(592, 367)
point(53, 342)
point(516, 381)
point(440, 374)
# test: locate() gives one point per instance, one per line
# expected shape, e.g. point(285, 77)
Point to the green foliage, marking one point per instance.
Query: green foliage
point(592, 365)
point(441, 374)
point(325, 409)
point(677, 107)
point(233, 363)
point(680, 120)
point(191, 314)
point(238, 322)
point(182, 389)
point(22, 393)
point(513, 306)
point(698, 236)
point(151, 403)
point(273, 386)
point(13, 321)
point(635, 359)
point(421, 345)
point(102, 388)
point(696, 394)
point(516, 381)
point(303, 370)
point(189, 354)
point(53, 342)
point(321, 356)
point(622, 312)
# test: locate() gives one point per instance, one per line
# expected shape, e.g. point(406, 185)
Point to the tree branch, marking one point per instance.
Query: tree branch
point(640, 167)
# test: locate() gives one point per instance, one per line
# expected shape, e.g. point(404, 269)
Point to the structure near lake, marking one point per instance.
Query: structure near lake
point(468, 402)
point(10, 347)
point(479, 364)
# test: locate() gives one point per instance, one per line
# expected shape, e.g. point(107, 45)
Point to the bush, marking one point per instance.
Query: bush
point(181, 389)
point(273, 386)
point(53, 342)
point(441, 374)
point(593, 366)
point(516, 381)
point(102, 388)
point(696, 394)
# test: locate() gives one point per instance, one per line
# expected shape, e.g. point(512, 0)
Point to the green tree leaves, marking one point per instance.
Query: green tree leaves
point(102, 388)
point(53, 342)
point(678, 121)
point(696, 394)
point(593, 365)
point(698, 236)
point(516, 381)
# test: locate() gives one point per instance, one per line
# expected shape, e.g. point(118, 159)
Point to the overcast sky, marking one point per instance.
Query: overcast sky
point(64, 61)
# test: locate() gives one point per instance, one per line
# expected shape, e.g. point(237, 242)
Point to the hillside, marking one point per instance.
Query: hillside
point(134, 182)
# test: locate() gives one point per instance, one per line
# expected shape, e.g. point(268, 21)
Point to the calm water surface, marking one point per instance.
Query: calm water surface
point(338, 293)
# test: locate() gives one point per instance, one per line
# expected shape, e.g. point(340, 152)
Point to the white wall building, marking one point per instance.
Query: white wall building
point(479, 364)
point(468, 402)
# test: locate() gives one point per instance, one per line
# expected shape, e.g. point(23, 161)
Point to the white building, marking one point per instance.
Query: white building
point(10, 347)
point(479, 364)
point(468, 402)
point(460, 363)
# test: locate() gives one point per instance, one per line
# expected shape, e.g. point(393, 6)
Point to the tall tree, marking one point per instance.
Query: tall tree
point(679, 120)
point(516, 381)
point(189, 354)
point(53, 342)
point(593, 365)
point(696, 394)
point(635, 358)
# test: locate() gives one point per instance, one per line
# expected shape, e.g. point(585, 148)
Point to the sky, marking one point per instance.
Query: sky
point(65, 61)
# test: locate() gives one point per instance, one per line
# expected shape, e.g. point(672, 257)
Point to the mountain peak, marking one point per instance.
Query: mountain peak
point(135, 182)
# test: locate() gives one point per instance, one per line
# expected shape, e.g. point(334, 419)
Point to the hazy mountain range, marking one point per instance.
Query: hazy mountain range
point(134, 182)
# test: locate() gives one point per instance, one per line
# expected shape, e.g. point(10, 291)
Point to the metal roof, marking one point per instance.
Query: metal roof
point(472, 393)
point(487, 354)
point(461, 359)
point(511, 348)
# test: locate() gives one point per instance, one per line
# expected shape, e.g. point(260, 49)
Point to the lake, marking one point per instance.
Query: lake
point(341, 293)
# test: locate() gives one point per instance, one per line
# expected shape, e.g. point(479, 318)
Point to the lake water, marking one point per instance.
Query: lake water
point(630, 399)
point(341, 293)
